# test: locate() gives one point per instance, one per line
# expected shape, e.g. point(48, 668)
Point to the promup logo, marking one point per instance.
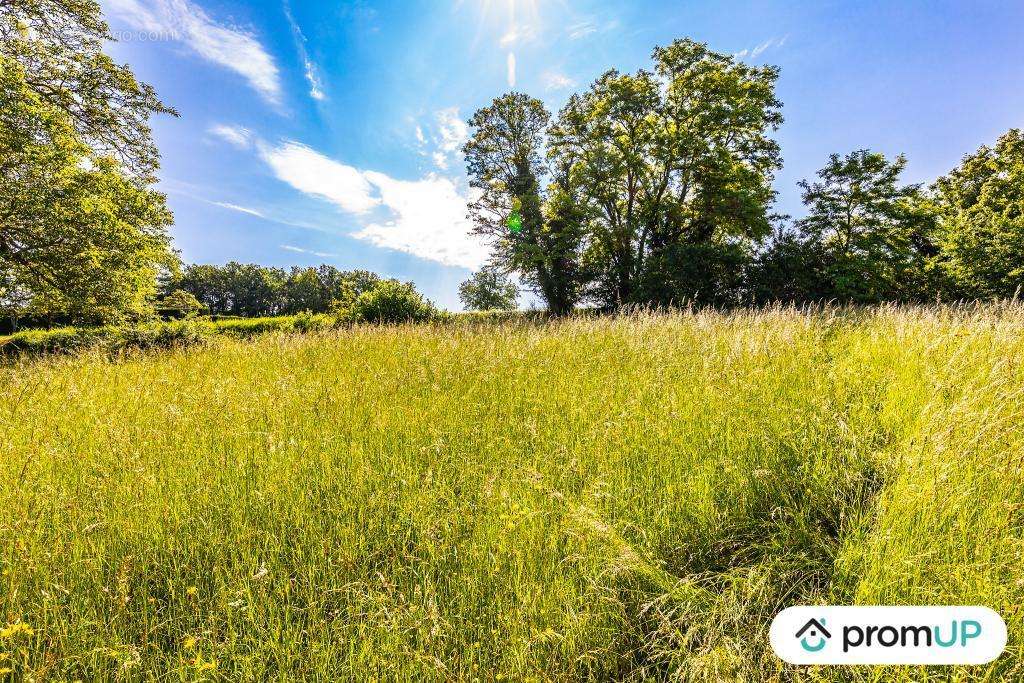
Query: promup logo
point(817, 633)
point(888, 635)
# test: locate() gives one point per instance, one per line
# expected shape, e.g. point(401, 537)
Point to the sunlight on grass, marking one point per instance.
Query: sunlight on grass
point(608, 498)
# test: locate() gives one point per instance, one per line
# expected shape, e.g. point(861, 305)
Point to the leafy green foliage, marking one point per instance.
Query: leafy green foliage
point(875, 234)
point(114, 338)
point(251, 290)
point(505, 162)
point(663, 160)
point(388, 302)
point(488, 290)
point(982, 212)
point(179, 304)
point(58, 47)
point(82, 235)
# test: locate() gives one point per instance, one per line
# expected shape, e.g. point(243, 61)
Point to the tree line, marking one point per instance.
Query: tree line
point(656, 188)
point(652, 188)
point(251, 290)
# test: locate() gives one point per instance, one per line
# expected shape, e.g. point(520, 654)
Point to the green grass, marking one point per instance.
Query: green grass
point(156, 335)
point(629, 498)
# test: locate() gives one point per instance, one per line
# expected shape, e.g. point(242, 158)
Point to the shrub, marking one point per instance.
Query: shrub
point(312, 322)
point(161, 336)
point(59, 340)
point(389, 302)
point(251, 327)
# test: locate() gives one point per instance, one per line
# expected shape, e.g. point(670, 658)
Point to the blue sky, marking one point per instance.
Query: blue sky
point(316, 132)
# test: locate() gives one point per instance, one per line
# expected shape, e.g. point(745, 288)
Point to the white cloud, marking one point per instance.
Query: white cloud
point(316, 88)
point(447, 134)
point(240, 209)
point(554, 80)
point(312, 173)
point(300, 250)
point(227, 46)
point(582, 30)
point(454, 131)
point(511, 69)
point(755, 52)
point(234, 135)
point(428, 220)
point(518, 34)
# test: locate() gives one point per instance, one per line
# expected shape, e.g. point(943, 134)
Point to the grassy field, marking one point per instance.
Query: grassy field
point(629, 498)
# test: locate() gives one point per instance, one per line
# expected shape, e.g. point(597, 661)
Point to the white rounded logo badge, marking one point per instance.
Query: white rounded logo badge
point(888, 635)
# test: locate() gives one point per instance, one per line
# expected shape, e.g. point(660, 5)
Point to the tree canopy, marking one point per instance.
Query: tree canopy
point(82, 234)
point(981, 204)
point(488, 290)
point(639, 180)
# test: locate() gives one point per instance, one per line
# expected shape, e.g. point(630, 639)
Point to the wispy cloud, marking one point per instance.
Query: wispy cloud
point(227, 46)
point(315, 174)
point(426, 218)
point(556, 80)
point(589, 27)
point(518, 34)
point(755, 52)
point(316, 88)
point(452, 134)
point(241, 209)
point(582, 30)
point(237, 136)
point(300, 250)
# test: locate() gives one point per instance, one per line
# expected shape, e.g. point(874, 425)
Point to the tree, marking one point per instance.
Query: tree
point(179, 304)
point(875, 234)
point(58, 44)
point(318, 289)
point(235, 289)
point(488, 290)
point(669, 166)
point(78, 234)
point(388, 302)
point(505, 162)
point(981, 208)
point(80, 229)
point(789, 268)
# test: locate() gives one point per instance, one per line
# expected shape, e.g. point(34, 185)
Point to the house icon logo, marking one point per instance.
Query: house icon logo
point(815, 632)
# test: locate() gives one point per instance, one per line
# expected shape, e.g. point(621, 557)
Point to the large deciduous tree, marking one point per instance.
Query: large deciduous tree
point(505, 162)
point(876, 235)
point(981, 204)
point(671, 167)
point(82, 234)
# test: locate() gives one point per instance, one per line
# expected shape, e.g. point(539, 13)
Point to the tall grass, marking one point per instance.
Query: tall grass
point(629, 498)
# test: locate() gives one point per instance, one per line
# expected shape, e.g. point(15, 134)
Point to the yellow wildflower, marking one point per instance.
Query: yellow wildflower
point(15, 629)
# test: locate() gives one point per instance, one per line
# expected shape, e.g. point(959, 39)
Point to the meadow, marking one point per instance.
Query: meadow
point(620, 498)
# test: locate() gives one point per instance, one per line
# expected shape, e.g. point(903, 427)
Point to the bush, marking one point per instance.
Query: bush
point(59, 340)
point(312, 322)
point(177, 334)
point(389, 302)
point(165, 335)
point(251, 327)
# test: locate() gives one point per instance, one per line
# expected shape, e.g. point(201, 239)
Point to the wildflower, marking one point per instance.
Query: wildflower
point(15, 629)
point(190, 643)
point(203, 665)
point(192, 590)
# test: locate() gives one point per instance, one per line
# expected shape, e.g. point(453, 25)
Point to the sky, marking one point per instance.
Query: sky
point(329, 132)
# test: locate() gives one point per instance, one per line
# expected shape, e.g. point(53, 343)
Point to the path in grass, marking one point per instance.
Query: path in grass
point(605, 498)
